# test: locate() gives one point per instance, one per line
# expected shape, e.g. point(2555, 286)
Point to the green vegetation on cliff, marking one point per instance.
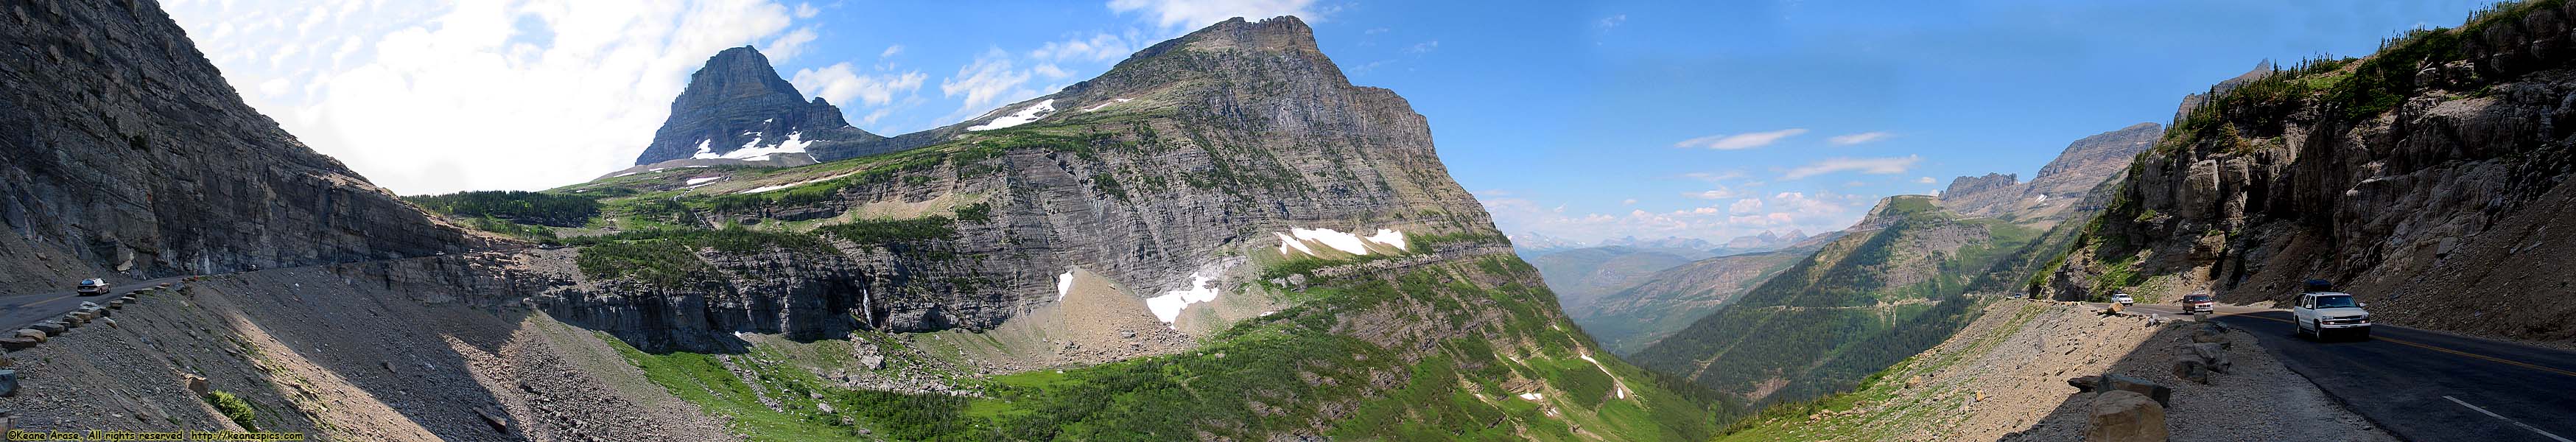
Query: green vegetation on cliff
point(540, 208)
point(1304, 370)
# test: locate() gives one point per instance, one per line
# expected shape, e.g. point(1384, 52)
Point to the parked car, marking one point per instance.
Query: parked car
point(2321, 315)
point(2199, 303)
point(91, 287)
point(2124, 299)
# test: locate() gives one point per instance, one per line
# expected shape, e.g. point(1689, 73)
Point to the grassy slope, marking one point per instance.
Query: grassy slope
point(1287, 372)
point(1827, 323)
point(1867, 412)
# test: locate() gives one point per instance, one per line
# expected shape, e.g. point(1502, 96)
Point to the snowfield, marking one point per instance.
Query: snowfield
point(1063, 285)
point(1102, 105)
point(794, 184)
point(1296, 238)
point(753, 151)
point(1168, 306)
point(1024, 116)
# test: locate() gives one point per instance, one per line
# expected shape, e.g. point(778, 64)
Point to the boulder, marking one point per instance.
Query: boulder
point(2213, 354)
point(8, 383)
point(2125, 416)
point(2085, 383)
point(499, 423)
point(50, 328)
point(2111, 382)
point(18, 343)
point(2191, 369)
point(196, 384)
point(29, 333)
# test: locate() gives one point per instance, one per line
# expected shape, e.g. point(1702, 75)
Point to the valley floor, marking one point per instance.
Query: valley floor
point(2004, 378)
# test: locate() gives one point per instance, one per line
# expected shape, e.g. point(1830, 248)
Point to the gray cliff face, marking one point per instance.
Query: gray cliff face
point(738, 102)
point(1975, 186)
point(2438, 210)
point(1182, 160)
point(125, 151)
point(2061, 185)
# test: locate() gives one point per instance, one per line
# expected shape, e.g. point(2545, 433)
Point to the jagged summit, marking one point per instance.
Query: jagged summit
point(738, 108)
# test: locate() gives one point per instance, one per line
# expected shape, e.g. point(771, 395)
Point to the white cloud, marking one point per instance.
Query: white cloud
point(1099, 47)
point(1628, 202)
point(989, 81)
point(787, 46)
point(838, 83)
point(1879, 166)
point(1198, 13)
point(1926, 180)
point(1614, 21)
point(806, 10)
point(1863, 137)
point(1747, 205)
point(1423, 47)
point(554, 92)
point(1721, 192)
point(891, 51)
point(1740, 141)
point(1715, 176)
point(1819, 212)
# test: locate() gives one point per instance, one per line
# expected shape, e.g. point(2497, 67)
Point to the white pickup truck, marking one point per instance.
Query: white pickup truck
point(2322, 314)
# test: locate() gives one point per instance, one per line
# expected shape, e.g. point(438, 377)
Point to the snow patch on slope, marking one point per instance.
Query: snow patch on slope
point(794, 184)
point(1102, 105)
point(1345, 242)
point(1168, 306)
point(1063, 285)
point(1024, 116)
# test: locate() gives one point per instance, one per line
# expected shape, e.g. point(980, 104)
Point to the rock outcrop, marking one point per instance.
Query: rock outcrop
point(737, 108)
point(123, 150)
point(2422, 179)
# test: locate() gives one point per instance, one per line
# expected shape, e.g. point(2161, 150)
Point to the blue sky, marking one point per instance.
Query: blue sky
point(1576, 120)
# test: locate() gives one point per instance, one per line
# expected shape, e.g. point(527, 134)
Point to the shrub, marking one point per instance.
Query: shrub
point(233, 407)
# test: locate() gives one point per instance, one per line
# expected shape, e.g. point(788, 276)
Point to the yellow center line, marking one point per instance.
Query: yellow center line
point(2427, 347)
point(57, 298)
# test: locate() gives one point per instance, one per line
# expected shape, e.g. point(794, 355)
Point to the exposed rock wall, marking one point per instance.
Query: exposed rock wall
point(2425, 210)
point(1174, 165)
point(123, 149)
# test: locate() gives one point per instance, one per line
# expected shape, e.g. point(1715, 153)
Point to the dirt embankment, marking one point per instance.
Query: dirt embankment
point(344, 354)
point(2005, 376)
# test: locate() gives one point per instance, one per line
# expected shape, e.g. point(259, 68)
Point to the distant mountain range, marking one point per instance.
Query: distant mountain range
point(1792, 326)
point(1532, 243)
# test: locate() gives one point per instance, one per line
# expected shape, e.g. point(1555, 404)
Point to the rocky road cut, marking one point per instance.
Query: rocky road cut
point(20, 310)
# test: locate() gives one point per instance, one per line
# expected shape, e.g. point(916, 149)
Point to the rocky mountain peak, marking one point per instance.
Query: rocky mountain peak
point(2061, 184)
point(2093, 155)
point(1970, 186)
point(738, 108)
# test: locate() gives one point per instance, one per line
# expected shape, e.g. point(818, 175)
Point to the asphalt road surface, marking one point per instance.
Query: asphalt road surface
point(2425, 385)
point(20, 310)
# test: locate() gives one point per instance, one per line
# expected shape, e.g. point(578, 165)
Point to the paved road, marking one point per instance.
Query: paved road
point(2425, 385)
point(19, 310)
